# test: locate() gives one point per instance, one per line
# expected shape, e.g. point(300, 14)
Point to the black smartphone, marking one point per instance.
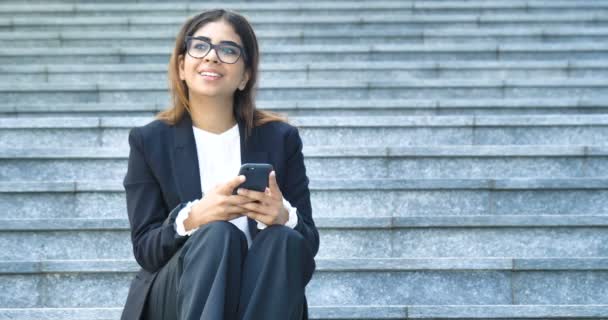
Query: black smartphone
point(256, 176)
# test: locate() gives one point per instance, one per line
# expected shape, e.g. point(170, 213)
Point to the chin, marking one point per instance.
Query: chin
point(207, 92)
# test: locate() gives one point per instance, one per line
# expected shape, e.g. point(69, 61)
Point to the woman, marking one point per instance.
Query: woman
point(206, 253)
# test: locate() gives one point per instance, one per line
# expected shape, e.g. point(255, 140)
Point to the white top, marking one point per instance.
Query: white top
point(219, 160)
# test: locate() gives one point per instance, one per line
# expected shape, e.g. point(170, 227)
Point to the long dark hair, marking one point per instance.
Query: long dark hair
point(244, 100)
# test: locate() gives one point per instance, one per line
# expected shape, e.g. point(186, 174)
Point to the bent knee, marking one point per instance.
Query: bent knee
point(283, 231)
point(219, 230)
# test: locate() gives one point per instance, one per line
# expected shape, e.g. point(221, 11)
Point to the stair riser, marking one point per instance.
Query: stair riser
point(340, 288)
point(551, 135)
point(340, 203)
point(329, 112)
point(161, 96)
point(300, 75)
point(256, 13)
point(340, 168)
point(292, 26)
point(251, 14)
point(414, 39)
point(303, 57)
point(468, 242)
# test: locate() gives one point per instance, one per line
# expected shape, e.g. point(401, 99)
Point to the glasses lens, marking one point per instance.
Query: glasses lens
point(228, 53)
point(198, 48)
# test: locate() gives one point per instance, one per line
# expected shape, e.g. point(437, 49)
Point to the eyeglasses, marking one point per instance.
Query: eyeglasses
point(198, 48)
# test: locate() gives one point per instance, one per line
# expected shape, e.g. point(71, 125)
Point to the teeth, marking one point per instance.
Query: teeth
point(211, 74)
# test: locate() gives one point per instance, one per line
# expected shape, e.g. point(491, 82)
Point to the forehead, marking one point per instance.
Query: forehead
point(218, 31)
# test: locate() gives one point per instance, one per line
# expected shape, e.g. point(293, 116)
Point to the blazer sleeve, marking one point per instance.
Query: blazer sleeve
point(153, 236)
point(297, 192)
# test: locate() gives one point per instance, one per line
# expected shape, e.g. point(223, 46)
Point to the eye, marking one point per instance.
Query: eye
point(200, 46)
point(230, 50)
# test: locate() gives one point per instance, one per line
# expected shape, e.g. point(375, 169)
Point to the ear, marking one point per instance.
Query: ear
point(244, 81)
point(180, 63)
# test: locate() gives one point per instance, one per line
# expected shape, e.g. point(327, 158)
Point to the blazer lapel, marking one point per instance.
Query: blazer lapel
point(186, 161)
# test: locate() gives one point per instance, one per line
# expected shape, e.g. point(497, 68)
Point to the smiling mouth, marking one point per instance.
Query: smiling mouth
point(210, 75)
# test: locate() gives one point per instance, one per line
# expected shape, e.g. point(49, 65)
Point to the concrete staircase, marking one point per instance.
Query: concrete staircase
point(457, 151)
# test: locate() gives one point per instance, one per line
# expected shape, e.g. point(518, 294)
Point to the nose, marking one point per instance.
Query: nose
point(212, 56)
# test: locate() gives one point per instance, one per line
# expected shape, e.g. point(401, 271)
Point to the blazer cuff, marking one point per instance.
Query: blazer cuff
point(170, 220)
point(183, 215)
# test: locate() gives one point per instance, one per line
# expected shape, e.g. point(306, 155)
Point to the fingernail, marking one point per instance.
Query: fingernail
point(272, 173)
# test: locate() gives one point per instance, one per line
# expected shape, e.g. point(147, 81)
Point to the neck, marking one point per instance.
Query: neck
point(213, 114)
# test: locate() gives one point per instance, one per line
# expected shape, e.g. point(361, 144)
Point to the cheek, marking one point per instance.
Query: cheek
point(189, 67)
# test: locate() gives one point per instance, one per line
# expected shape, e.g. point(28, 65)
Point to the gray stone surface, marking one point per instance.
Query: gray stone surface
point(345, 222)
point(455, 287)
point(358, 312)
point(506, 312)
point(326, 288)
point(357, 163)
point(566, 287)
point(104, 73)
point(345, 107)
point(333, 264)
point(32, 200)
point(356, 131)
point(431, 241)
point(280, 37)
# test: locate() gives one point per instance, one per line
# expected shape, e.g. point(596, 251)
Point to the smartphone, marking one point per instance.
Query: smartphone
point(256, 176)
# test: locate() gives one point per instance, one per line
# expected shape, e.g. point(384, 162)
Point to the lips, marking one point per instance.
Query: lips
point(210, 74)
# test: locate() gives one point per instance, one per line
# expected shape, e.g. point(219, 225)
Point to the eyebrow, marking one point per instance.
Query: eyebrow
point(223, 41)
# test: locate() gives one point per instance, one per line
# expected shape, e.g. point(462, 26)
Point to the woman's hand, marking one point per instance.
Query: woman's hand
point(218, 204)
point(270, 209)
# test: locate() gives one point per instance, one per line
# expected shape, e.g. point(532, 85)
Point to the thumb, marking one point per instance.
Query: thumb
point(233, 183)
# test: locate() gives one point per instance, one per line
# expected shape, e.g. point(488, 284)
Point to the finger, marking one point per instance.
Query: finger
point(257, 195)
point(273, 185)
point(255, 207)
point(233, 183)
point(233, 216)
point(238, 199)
point(259, 217)
point(236, 210)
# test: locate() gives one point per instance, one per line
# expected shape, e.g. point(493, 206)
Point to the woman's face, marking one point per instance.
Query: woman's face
point(233, 76)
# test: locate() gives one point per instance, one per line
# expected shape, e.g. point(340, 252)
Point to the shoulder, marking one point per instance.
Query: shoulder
point(153, 130)
point(277, 129)
point(279, 135)
point(154, 127)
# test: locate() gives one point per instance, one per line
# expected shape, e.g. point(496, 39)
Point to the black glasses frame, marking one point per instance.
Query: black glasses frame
point(214, 47)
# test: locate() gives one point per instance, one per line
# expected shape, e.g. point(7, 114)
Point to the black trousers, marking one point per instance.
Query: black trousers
point(214, 276)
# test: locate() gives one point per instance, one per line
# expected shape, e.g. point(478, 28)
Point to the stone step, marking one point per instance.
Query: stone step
point(332, 108)
point(381, 237)
point(338, 282)
point(438, 312)
point(157, 92)
point(312, 7)
point(326, 53)
point(340, 197)
point(353, 22)
point(434, 162)
point(266, 38)
point(354, 71)
point(60, 132)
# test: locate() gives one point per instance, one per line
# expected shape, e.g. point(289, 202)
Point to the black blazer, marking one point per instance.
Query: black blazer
point(163, 175)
